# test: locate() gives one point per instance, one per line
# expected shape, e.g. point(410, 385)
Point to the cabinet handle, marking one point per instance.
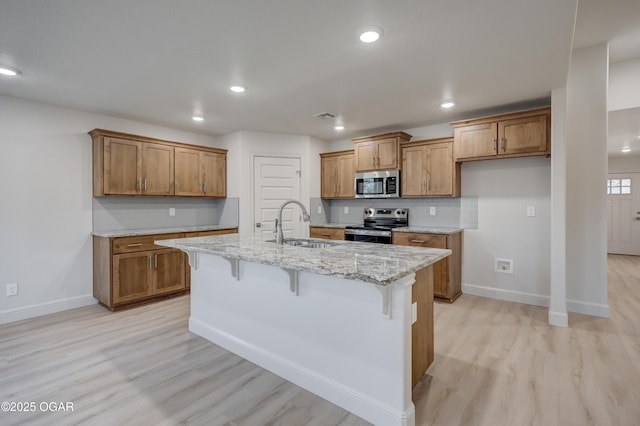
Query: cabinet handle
point(495, 144)
point(504, 144)
point(145, 184)
point(204, 187)
point(200, 187)
point(417, 241)
point(373, 161)
point(134, 245)
point(150, 263)
point(155, 261)
point(377, 161)
point(335, 188)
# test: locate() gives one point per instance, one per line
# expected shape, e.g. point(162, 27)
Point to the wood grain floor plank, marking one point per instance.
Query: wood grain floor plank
point(496, 363)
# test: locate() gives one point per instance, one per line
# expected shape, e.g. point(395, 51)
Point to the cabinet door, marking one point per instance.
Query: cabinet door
point(169, 272)
point(365, 153)
point(157, 169)
point(187, 172)
point(439, 158)
point(387, 154)
point(523, 135)
point(132, 275)
point(478, 140)
point(214, 174)
point(122, 166)
point(345, 176)
point(413, 171)
point(328, 177)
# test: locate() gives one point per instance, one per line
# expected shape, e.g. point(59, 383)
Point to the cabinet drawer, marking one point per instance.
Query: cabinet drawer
point(327, 233)
point(141, 243)
point(420, 240)
point(208, 233)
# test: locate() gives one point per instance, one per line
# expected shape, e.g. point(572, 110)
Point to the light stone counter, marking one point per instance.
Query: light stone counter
point(379, 264)
point(152, 231)
point(429, 230)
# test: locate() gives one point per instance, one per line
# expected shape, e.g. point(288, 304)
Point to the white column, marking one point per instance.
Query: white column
point(558, 292)
point(586, 225)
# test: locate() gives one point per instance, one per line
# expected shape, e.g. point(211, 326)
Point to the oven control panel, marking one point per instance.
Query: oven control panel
point(385, 213)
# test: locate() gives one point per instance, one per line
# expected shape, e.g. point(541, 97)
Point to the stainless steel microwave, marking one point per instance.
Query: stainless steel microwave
point(380, 184)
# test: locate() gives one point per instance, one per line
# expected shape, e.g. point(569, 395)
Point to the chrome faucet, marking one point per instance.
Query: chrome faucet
point(305, 217)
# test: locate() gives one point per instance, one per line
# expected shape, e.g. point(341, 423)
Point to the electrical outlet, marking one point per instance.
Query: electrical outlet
point(319, 209)
point(531, 211)
point(172, 211)
point(432, 211)
point(346, 210)
point(12, 289)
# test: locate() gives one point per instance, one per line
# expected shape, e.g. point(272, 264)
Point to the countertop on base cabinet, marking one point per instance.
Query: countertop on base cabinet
point(447, 273)
point(129, 269)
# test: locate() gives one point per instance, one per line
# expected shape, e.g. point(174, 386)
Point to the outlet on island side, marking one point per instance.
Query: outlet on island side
point(319, 209)
point(12, 289)
point(346, 210)
point(172, 211)
point(432, 211)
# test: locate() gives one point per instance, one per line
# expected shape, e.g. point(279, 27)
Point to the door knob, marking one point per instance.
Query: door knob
point(258, 225)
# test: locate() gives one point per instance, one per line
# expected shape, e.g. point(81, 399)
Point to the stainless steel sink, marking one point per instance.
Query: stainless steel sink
point(301, 242)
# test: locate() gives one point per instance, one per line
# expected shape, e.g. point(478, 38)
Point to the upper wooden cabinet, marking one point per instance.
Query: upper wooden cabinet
point(200, 173)
point(125, 164)
point(381, 152)
point(337, 174)
point(520, 134)
point(428, 169)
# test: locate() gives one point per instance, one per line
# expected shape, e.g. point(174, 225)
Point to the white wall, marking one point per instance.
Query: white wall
point(504, 189)
point(586, 174)
point(624, 85)
point(45, 220)
point(624, 164)
point(243, 146)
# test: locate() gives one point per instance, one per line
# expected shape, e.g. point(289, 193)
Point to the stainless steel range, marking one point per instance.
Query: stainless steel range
point(378, 224)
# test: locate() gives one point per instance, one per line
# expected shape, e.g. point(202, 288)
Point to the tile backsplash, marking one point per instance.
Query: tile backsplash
point(449, 212)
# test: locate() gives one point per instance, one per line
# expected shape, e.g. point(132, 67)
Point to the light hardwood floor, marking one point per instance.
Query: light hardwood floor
point(496, 363)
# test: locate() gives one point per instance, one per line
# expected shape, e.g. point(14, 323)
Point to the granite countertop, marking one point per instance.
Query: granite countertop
point(152, 231)
point(379, 264)
point(429, 230)
point(334, 225)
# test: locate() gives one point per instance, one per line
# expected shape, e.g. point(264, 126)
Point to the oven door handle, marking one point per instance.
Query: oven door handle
point(366, 232)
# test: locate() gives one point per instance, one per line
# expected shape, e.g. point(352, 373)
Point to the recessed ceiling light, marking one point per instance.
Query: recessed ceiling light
point(339, 127)
point(625, 150)
point(197, 118)
point(369, 36)
point(447, 105)
point(8, 71)
point(237, 89)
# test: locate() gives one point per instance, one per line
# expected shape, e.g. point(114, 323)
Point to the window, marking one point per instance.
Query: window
point(619, 186)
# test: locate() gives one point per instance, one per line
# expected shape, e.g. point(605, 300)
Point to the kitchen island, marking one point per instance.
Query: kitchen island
point(335, 320)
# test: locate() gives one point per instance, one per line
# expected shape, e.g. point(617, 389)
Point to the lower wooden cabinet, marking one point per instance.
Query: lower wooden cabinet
point(326, 233)
point(130, 271)
point(447, 273)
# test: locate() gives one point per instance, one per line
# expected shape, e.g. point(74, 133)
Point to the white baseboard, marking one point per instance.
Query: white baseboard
point(508, 295)
point(361, 405)
point(32, 311)
point(588, 308)
point(576, 306)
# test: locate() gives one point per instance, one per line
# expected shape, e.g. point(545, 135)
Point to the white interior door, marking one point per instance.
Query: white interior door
point(623, 205)
point(276, 180)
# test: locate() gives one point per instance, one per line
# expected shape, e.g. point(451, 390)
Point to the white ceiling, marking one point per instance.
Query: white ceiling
point(162, 61)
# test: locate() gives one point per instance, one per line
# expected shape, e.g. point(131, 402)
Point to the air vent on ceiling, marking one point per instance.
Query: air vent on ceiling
point(324, 115)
